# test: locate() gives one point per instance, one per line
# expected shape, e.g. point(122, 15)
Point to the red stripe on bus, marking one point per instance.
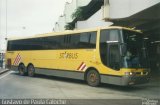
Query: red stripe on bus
point(83, 67)
point(80, 66)
point(18, 59)
point(15, 60)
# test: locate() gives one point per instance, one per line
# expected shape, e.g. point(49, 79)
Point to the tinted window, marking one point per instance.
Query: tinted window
point(53, 42)
point(135, 54)
point(114, 57)
point(107, 37)
point(83, 40)
point(87, 40)
point(26, 44)
point(75, 41)
point(56, 42)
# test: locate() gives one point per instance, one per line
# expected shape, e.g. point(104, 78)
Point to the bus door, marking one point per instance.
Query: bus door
point(113, 55)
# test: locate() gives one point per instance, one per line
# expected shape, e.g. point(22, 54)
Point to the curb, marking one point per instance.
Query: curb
point(3, 71)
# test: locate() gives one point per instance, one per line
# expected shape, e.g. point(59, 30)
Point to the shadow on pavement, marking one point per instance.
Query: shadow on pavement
point(107, 86)
point(102, 85)
point(57, 78)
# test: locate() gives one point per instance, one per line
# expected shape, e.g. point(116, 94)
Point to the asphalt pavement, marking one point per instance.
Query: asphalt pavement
point(2, 70)
point(13, 86)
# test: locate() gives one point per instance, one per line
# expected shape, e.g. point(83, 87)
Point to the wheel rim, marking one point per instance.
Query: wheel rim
point(31, 71)
point(93, 77)
point(21, 70)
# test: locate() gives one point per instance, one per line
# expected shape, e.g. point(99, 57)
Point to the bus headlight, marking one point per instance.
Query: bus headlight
point(128, 73)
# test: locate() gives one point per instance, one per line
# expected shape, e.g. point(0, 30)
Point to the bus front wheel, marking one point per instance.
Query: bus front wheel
point(21, 69)
point(93, 78)
point(31, 70)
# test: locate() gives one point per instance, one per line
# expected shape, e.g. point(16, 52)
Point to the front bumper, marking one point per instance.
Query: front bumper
point(133, 80)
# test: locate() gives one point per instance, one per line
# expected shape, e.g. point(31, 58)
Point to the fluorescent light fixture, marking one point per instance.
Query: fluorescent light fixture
point(111, 41)
point(132, 36)
point(146, 38)
point(158, 41)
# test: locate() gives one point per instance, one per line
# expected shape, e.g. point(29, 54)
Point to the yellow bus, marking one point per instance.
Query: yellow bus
point(113, 55)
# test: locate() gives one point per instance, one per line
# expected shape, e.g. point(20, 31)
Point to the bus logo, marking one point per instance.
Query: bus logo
point(17, 60)
point(82, 67)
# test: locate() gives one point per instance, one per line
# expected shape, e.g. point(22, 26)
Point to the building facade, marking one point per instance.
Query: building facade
point(96, 20)
point(60, 25)
point(70, 8)
point(126, 8)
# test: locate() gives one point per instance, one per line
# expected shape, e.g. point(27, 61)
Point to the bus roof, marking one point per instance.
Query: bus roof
point(73, 31)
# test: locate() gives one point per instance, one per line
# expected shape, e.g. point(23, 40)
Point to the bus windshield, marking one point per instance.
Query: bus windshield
point(135, 54)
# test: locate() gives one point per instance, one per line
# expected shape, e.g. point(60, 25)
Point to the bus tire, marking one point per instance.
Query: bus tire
point(31, 70)
point(93, 78)
point(21, 69)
